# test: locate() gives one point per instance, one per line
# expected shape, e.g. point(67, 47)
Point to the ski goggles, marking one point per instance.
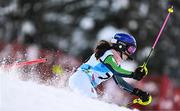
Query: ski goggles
point(131, 50)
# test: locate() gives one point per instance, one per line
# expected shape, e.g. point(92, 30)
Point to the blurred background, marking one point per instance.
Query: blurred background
point(67, 31)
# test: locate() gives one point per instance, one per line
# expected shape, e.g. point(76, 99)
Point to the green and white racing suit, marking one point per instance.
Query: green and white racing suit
point(93, 72)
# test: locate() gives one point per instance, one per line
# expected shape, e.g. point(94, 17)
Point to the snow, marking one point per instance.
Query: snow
point(142, 54)
point(119, 4)
point(173, 62)
point(32, 52)
point(59, 18)
point(133, 25)
point(79, 42)
point(107, 33)
point(12, 7)
point(87, 23)
point(129, 65)
point(151, 87)
point(103, 4)
point(63, 43)
point(18, 95)
point(143, 10)
point(28, 27)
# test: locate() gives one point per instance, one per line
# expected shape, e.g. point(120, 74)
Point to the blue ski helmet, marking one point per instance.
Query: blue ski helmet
point(125, 43)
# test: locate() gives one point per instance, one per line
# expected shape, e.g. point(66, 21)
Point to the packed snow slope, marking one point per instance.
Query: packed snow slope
point(18, 95)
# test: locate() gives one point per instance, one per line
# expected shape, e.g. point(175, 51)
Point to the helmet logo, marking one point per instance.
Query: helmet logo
point(122, 43)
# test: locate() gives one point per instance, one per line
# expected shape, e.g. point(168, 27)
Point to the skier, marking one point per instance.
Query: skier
point(104, 64)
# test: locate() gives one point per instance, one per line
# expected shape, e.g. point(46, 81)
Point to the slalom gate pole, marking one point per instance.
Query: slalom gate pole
point(24, 63)
point(170, 10)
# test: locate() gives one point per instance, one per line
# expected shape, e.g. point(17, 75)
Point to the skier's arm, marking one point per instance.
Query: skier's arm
point(115, 68)
point(144, 97)
point(123, 84)
point(139, 73)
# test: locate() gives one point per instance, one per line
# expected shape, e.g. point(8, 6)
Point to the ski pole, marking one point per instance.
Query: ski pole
point(24, 63)
point(170, 10)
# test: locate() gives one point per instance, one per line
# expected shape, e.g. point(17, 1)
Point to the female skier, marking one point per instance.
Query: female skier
point(104, 63)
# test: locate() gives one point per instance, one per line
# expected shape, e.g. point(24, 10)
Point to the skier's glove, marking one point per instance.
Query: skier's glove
point(144, 97)
point(140, 72)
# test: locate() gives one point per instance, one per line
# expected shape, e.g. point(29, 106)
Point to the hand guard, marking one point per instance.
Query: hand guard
point(144, 97)
point(139, 101)
point(140, 72)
